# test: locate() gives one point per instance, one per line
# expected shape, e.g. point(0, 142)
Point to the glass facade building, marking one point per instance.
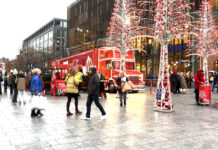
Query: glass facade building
point(46, 44)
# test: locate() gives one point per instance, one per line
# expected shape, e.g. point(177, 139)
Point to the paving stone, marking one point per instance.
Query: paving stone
point(134, 127)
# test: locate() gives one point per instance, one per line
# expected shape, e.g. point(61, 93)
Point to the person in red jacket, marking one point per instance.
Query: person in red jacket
point(199, 79)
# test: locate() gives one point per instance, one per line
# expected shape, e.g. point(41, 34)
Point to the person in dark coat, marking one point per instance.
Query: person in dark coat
point(102, 81)
point(29, 80)
point(174, 79)
point(14, 77)
point(1, 79)
point(5, 82)
point(93, 93)
point(199, 79)
point(215, 82)
point(121, 80)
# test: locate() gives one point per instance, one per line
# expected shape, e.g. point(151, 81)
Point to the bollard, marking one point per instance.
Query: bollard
point(43, 92)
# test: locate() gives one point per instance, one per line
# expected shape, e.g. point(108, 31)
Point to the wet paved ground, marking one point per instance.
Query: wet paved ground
point(134, 127)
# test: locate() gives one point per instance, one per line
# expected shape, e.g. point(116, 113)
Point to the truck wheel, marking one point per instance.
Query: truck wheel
point(136, 91)
point(111, 88)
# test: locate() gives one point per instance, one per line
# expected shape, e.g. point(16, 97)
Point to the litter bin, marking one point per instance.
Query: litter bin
point(205, 94)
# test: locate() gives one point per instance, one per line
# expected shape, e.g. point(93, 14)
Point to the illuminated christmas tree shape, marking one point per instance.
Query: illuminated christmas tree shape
point(205, 39)
point(170, 20)
point(119, 30)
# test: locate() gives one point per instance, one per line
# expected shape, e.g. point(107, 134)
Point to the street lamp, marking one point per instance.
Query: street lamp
point(84, 32)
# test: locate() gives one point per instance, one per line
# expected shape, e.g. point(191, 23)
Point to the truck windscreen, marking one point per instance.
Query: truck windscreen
point(130, 66)
point(116, 65)
point(61, 74)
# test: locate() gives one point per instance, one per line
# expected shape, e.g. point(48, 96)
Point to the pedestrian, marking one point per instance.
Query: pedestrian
point(215, 82)
point(29, 79)
point(93, 93)
point(183, 85)
point(36, 89)
point(79, 76)
point(178, 84)
point(174, 82)
point(121, 80)
point(10, 81)
point(1, 79)
point(211, 78)
point(15, 92)
point(21, 87)
point(199, 79)
point(102, 88)
point(5, 82)
point(72, 84)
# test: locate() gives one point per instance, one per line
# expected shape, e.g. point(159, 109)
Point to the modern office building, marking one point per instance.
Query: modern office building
point(88, 21)
point(46, 44)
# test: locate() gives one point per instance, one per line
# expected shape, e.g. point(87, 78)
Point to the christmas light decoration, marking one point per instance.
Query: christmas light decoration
point(170, 18)
point(204, 43)
point(120, 27)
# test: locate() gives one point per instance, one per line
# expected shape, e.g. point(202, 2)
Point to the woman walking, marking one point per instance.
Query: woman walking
point(183, 85)
point(121, 80)
point(199, 79)
point(21, 87)
point(36, 89)
point(72, 84)
point(101, 88)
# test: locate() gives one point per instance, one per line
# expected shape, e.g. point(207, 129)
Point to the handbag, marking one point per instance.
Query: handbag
point(126, 88)
point(131, 84)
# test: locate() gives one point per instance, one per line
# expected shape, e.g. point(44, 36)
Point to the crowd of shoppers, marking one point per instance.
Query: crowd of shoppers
point(178, 83)
point(96, 87)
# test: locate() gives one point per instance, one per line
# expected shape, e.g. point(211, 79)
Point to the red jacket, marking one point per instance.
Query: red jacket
point(199, 78)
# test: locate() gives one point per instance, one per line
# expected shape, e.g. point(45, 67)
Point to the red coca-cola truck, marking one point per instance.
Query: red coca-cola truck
point(107, 60)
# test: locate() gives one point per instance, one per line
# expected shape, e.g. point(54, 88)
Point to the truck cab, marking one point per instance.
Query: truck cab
point(59, 73)
point(110, 64)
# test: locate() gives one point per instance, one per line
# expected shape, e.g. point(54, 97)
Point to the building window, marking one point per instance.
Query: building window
point(65, 24)
point(76, 12)
point(50, 35)
point(107, 6)
point(101, 10)
point(80, 10)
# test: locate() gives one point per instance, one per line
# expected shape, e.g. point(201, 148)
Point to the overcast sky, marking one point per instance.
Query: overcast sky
point(20, 18)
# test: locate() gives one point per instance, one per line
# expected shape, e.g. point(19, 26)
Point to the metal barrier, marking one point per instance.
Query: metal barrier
point(150, 82)
point(43, 87)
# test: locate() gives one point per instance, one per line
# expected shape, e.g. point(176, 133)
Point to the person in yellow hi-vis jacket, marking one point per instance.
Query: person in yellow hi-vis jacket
point(79, 76)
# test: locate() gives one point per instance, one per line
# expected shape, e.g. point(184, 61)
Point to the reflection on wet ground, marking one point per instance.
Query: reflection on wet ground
point(135, 126)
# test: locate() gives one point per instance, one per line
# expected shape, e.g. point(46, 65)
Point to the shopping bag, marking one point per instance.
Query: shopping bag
point(131, 84)
point(126, 88)
point(38, 101)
